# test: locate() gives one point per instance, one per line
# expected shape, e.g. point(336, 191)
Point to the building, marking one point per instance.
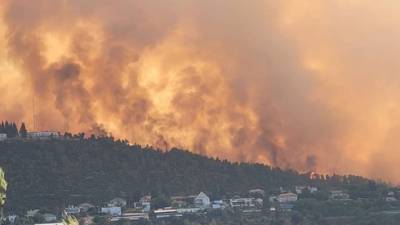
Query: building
point(202, 201)
point(242, 202)
point(339, 195)
point(113, 211)
point(167, 213)
point(43, 135)
point(72, 210)
point(287, 197)
point(85, 207)
point(391, 197)
point(258, 192)
point(188, 210)
point(48, 217)
point(300, 189)
point(179, 201)
point(144, 204)
point(219, 204)
point(117, 202)
point(3, 136)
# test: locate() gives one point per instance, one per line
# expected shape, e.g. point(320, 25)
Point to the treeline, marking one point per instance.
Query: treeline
point(10, 128)
point(60, 172)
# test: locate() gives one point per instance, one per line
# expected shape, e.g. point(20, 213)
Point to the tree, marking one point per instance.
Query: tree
point(3, 189)
point(22, 131)
point(70, 220)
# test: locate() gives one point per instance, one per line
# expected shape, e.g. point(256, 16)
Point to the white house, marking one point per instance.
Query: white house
point(43, 135)
point(117, 202)
point(113, 211)
point(3, 136)
point(202, 200)
point(72, 210)
point(242, 202)
point(287, 197)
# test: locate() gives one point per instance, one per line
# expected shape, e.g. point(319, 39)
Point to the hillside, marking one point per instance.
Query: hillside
point(56, 173)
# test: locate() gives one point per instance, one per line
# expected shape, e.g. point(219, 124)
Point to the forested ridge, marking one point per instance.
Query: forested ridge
point(59, 172)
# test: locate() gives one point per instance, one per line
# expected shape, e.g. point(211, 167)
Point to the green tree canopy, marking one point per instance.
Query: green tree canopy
point(3, 187)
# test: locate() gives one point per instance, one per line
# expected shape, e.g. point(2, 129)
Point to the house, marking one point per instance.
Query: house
point(257, 192)
point(84, 207)
point(11, 218)
point(48, 217)
point(113, 211)
point(179, 201)
point(72, 210)
point(43, 135)
point(3, 136)
point(202, 201)
point(390, 197)
point(242, 202)
point(287, 197)
point(144, 203)
point(167, 213)
point(300, 189)
point(273, 198)
point(117, 202)
point(339, 195)
point(218, 204)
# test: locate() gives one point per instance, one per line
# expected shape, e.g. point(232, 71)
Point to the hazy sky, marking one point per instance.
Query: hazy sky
point(310, 85)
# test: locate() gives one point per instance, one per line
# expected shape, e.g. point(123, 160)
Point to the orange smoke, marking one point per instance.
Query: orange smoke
point(306, 85)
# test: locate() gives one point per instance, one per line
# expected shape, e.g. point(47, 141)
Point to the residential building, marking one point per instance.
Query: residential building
point(167, 213)
point(300, 189)
point(117, 202)
point(219, 204)
point(84, 207)
point(339, 195)
point(391, 197)
point(257, 192)
point(202, 201)
point(287, 197)
point(48, 217)
point(43, 135)
point(242, 202)
point(113, 211)
point(188, 210)
point(72, 210)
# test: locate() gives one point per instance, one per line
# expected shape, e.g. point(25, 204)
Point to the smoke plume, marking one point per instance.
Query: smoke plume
point(309, 85)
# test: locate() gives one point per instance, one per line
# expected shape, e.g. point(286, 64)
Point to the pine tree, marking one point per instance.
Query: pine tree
point(14, 130)
point(22, 131)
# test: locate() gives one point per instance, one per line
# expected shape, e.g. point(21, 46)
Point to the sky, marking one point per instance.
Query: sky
point(309, 85)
